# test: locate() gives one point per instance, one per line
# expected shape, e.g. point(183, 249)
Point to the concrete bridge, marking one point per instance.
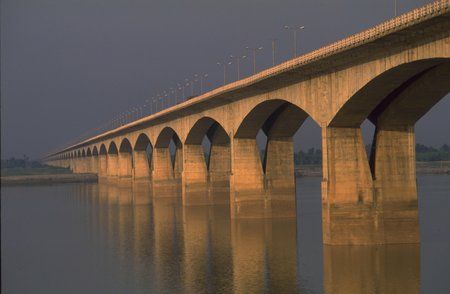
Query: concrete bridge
point(391, 74)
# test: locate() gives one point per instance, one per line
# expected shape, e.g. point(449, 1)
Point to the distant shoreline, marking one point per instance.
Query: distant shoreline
point(422, 168)
point(48, 179)
point(307, 170)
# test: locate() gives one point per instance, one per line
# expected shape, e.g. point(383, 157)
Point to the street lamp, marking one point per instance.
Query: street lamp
point(274, 40)
point(174, 93)
point(203, 76)
point(143, 107)
point(159, 98)
point(295, 29)
point(238, 62)
point(254, 50)
point(154, 105)
point(181, 88)
point(195, 79)
point(166, 97)
point(187, 84)
point(224, 65)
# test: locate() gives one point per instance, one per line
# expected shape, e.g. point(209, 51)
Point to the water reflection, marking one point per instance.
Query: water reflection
point(372, 269)
point(167, 247)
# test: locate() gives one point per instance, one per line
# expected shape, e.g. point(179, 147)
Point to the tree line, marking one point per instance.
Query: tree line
point(311, 156)
point(423, 154)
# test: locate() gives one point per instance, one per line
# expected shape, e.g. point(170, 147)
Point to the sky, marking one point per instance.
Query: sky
point(68, 66)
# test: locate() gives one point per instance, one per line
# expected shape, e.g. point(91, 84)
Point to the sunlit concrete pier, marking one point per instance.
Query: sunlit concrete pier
point(391, 74)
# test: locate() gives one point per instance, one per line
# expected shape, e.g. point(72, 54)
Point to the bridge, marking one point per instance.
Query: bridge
point(391, 74)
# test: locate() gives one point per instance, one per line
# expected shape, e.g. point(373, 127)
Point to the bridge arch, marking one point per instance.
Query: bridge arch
point(167, 156)
point(112, 159)
point(270, 171)
point(95, 151)
point(277, 119)
point(112, 148)
point(382, 90)
point(102, 161)
point(207, 136)
point(142, 156)
point(125, 161)
point(393, 102)
point(103, 150)
point(142, 142)
point(89, 152)
point(208, 162)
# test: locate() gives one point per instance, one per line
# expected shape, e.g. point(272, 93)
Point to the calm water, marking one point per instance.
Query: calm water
point(92, 238)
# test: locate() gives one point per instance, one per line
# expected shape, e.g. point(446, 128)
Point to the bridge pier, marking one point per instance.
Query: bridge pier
point(393, 162)
point(125, 167)
point(78, 165)
point(194, 176)
point(369, 204)
point(93, 164)
point(111, 166)
point(102, 166)
point(141, 168)
point(219, 170)
point(349, 213)
point(166, 176)
point(255, 194)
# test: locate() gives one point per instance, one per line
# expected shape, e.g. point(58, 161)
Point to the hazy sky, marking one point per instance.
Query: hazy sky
point(70, 65)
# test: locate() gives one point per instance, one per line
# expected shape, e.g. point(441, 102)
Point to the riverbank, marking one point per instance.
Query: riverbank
point(422, 168)
point(48, 179)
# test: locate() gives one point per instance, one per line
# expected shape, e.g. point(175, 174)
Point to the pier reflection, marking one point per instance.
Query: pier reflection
point(163, 246)
point(372, 269)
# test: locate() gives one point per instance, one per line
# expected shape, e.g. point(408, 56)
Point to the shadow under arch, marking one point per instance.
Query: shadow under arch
point(142, 156)
point(112, 149)
point(269, 181)
point(103, 150)
point(89, 152)
point(167, 161)
point(208, 166)
point(386, 183)
point(383, 89)
point(94, 151)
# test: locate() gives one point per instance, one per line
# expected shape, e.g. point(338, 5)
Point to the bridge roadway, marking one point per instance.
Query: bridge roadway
point(391, 74)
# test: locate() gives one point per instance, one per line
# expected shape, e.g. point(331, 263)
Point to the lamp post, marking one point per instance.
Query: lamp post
point(395, 8)
point(238, 64)
point(203, 76)
point(146, 103)
point(274, 40)
point(153, 105)
point(159, 99)
point(143, 108)
point(195, 79)
point(295, 29)
point(173, 93)
point(187, 84)
point(166, 97)
point(254, 50)
point(224, 65)
point(181, 88)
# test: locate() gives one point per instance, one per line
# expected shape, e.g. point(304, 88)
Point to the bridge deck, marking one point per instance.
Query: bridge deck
point(295, 69)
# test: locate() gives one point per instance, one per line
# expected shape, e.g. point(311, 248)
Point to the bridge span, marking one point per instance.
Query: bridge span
point(391, 74)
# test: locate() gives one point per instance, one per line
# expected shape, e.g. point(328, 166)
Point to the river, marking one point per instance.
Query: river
point(103, 238)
